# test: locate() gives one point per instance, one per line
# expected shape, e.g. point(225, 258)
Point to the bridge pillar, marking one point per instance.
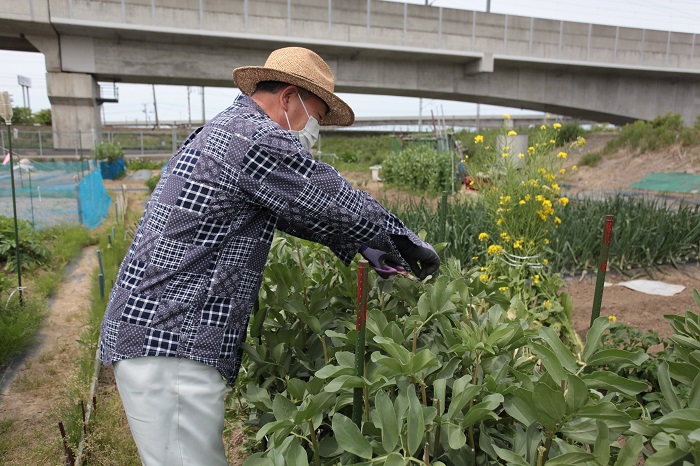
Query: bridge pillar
point(75, 113)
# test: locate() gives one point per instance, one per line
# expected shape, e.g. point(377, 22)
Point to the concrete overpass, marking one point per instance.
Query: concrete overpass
point(587, 71)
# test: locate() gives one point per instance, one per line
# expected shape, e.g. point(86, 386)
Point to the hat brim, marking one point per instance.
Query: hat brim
point(246, 78)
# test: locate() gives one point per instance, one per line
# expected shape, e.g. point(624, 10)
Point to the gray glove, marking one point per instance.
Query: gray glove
point(385, 264)
point(422, 258)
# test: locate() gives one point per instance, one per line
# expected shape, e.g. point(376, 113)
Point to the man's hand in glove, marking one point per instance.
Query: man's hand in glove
point(385, 264)
point(422, 258)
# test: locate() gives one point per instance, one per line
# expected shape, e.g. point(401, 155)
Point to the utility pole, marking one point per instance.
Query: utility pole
point(488, 6)
point(189, 109)
point(204, 118)
point(155, 105)
point(145, 112)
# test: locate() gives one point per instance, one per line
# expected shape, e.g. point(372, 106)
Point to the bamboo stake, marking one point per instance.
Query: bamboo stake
point(357, 402)
point(602, 267)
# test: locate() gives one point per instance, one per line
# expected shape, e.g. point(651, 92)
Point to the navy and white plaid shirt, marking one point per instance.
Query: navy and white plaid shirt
point(188, 282)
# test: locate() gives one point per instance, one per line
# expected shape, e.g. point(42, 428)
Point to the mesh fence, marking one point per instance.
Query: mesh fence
point(53, 193)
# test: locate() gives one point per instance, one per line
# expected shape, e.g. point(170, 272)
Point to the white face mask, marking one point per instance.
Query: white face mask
point(309, 134)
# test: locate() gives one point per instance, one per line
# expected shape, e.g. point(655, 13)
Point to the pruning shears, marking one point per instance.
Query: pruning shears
point(385, 264)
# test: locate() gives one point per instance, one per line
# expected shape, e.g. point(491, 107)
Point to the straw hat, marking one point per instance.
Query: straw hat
point(300, 67)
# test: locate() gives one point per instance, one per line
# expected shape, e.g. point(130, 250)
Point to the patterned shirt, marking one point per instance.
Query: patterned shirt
point(188, 282)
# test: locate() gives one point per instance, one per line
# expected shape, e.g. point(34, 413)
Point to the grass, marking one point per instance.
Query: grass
point(591, 159)
point(19, 324)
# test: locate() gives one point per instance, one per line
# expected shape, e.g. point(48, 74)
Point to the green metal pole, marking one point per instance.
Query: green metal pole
point(14, 211)
point(602, 267)
point(357, 399)
point(31, 197)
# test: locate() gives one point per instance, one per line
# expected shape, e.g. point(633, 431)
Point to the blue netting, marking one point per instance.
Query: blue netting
point(112, 170)
point(61, 192)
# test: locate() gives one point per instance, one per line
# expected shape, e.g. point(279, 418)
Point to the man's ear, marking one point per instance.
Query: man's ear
point(286, 95)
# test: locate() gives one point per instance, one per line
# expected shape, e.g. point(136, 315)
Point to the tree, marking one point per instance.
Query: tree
point(22, 116)
point(43, 117)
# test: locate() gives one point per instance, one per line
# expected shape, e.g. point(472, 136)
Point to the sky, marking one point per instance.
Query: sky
point(136, 100)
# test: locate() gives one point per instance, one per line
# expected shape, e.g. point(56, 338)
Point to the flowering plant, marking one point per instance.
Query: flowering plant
point(522, 198)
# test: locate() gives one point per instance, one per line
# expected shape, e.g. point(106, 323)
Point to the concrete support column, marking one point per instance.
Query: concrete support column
point(75, 113)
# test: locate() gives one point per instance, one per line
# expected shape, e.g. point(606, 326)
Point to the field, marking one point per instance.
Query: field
point(456, 359)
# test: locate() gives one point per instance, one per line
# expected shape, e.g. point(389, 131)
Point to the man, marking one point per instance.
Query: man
point(179, 309)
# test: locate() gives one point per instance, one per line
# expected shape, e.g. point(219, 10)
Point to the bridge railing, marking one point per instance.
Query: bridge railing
point(390, 24)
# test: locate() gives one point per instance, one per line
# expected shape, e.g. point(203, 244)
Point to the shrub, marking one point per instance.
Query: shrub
point(108, 151)
point(419, 168)
point(152, 182)
point(33, 251)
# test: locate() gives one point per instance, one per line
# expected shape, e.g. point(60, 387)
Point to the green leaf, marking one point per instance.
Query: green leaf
point(275, 426)
point(344, 381)
point(257, 461)
point(593, 336)
point(482, 411)
point(683, 372)
point(334, 371)
point(422, 361)
point(349, 437)
point(666, 387)
point(601, 449)
point(510, 457)
point(629, 454)
point(617, 356)
point(296, 388)
point(395, 459)
point(550, 361)
point(570, 459)
point(549, 405)
point(387, 419)
point(611, 381)
point(296, 455)
point(576, 393)
point(603, 410)
point(564, 354)
point(519, 405)
point(415, 426)
point(455, 436)
point(694, 398)
point(682, 421)
point(439, 387)
point(282, 408)
point(666, 456)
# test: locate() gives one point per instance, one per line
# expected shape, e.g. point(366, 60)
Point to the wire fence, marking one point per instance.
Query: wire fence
point(53, 193)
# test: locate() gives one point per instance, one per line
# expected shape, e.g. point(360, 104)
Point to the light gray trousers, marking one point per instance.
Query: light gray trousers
point(175, 409)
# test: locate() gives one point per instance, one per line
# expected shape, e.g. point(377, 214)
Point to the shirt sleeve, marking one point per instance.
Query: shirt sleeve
point(313, 201)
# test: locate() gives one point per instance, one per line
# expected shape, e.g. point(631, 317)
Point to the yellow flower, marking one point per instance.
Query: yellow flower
point(475, 258)
point(503, 288)
point(484, 278)
point(527, 197)
point(530, 150)
point(539, 198)
point(522, 202)
point(545, 261)
point(552, 141)
point(543, 127)
point(478, 138)
point(574, 168)
point(580, 141)
point(563, 201)
point(612, 319)
point(518, 244)
point(548, 304)
point(557, 220)
point(505, 236)
point(556, 125)
point(561, 155)
point(494, 249)
point(536, 281)
point(504, 155)
point(562, 171)
point(512, 133)
point(483, 236)
point(499, 222)
point(555, 187)
point(482, 268)
point(521, 155)
point(546, 241)
point(506, 116)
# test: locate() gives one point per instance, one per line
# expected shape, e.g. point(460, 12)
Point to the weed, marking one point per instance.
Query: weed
point(591, 159)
